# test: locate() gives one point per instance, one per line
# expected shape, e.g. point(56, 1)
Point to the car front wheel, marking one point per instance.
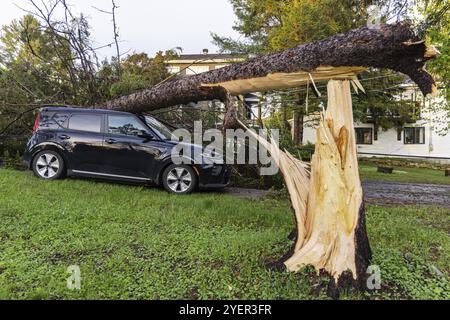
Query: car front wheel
point(48, 165)
point(179, 179)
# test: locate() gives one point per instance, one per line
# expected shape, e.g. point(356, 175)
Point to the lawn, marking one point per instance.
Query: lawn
point(406, 175)
point(140, 243)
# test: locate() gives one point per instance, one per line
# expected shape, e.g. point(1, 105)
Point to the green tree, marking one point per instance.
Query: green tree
point(436, 24)
point(26, 75)
point(139, 71)
point(437, 27)
point(272, 25)
point(49, 59)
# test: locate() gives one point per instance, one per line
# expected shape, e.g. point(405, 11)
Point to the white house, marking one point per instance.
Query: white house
point(427, 139)
point(192, 64)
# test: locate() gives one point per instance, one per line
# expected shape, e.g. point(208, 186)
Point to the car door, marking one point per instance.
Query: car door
point(83, 140)
point(128, 153)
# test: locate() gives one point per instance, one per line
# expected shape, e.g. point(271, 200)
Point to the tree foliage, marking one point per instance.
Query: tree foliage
point(437, 23)
point(139, 71)
point(272, 25)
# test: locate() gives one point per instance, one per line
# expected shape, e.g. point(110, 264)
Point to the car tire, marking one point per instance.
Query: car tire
point(179, 179)
point(48, 165)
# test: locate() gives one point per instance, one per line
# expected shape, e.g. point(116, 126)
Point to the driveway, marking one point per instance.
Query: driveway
point(382, 193)
point(391, 193)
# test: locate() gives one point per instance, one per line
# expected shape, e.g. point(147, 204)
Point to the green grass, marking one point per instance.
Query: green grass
point(404, 175)
point(138, 243)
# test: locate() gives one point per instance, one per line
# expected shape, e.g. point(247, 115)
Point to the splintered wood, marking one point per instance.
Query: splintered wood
point(276, 81)
point(327, 199)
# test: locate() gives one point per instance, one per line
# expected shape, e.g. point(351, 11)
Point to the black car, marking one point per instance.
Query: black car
point(104, 144)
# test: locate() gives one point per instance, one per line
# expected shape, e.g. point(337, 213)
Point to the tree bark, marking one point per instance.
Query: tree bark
point(296, 128)
point(299, 121)
point(301, 127)
point(283, 117)
point(396, 47)
point(260, 121)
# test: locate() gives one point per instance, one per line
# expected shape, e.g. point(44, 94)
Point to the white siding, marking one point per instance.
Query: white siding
point(173, 69)
point(434, 119)
point(436, 145)
point(220, 66)
point(192, 70)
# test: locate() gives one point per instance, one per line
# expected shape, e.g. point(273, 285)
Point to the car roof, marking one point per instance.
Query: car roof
point(80, 110)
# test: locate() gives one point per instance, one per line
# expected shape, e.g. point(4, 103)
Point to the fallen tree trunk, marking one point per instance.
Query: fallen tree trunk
point(395, 47)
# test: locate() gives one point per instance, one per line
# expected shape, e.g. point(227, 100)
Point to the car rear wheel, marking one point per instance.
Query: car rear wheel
point(48, 165)
point(179, 179)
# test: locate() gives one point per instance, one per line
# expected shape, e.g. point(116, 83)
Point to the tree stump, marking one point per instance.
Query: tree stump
point(327, 198)
point(333, 237)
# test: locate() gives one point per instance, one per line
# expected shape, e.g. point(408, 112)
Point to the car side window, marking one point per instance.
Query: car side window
point(54, 121)
point(125, 125)
point(86, 122)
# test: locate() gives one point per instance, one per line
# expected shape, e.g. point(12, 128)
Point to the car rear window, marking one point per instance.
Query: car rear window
point(86, 122)
point(53, 121)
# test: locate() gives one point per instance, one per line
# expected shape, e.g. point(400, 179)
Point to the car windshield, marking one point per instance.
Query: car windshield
point(161, 129)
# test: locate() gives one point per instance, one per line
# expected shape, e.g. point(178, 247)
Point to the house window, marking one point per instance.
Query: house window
point(363, 135)
point(196, 70)
point(415, 135)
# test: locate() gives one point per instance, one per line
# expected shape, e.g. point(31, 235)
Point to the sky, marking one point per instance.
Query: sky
point(149, 25)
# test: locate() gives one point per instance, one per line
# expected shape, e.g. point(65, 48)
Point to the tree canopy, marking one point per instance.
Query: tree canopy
point(271, 25)
point(49, 59)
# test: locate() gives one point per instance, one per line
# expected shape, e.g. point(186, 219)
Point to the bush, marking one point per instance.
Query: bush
point(13, 161)
point(11, 152)
point(248, 176)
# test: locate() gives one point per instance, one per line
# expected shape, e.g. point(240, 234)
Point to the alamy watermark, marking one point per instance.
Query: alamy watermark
point(374, 278)
point(74, 280)
point(236, 147)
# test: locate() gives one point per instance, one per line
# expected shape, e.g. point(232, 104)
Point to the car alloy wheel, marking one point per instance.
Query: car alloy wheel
point(179, 180)
point(48, 165)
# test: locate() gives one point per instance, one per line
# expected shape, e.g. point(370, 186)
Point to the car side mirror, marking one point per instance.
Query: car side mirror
point(147, 136)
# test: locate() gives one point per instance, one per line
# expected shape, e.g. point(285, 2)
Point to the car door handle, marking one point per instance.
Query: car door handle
point(64, 137)
point(110, 141)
